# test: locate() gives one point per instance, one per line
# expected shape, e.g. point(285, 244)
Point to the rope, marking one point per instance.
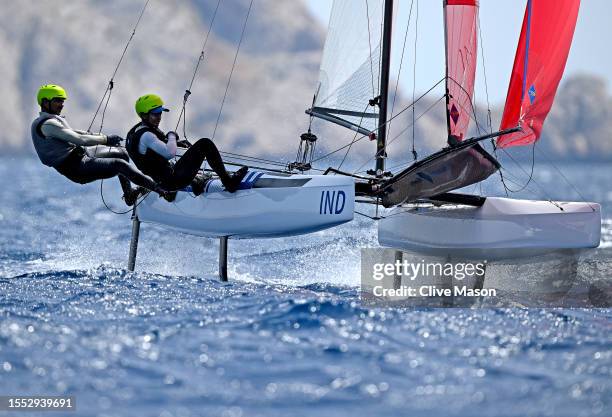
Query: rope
point(530, 174)
point(232, 70)
point(533, 180)
point(121, 212)
point(514, 179)
point(110, 85)
point(195, 72)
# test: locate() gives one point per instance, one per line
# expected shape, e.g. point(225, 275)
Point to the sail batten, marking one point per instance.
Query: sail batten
point(541, 55)
point(460, 26)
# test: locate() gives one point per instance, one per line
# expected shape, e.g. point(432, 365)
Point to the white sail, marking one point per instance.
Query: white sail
point(350, 68)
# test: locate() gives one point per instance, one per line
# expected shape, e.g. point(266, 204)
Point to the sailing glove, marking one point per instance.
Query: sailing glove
point(183, 144)
point(113, 140)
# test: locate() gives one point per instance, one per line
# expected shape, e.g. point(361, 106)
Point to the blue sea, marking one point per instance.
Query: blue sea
point(287, 336)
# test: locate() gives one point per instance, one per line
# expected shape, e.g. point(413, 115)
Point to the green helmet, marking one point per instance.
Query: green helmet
point(50, 91)
point(148, 103)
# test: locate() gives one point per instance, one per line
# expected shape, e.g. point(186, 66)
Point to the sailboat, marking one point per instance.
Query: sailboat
point(490, 227)
point(423, 213)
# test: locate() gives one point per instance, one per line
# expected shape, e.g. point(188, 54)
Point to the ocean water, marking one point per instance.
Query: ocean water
point(287, 336)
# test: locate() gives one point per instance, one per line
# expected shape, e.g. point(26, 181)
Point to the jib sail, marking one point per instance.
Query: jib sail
point(546, 38)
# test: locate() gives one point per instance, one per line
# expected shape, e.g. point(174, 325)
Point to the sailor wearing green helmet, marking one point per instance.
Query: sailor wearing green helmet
point(76, 154)
point(152, 150)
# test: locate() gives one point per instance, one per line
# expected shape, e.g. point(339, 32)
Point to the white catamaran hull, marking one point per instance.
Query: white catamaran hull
point(267, 205)
point(501, 228)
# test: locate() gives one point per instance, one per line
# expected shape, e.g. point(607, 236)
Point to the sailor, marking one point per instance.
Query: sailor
point(152, 152)
point(82, 157)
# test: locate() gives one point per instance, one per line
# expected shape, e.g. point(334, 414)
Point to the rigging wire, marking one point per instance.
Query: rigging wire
point(370, 45)
point(195, 72)
point(399, 134)
point(354, 140)
point(375, 218)
point(401, 63)
point(237, 156)
point(403, 165)
point(406, 164)
point(107, 96)
point(471, 112)
point(386, 123)
point(354, 137)
point(564, 177)
point(111, 83)
point(484, 71)
point(229, 80)
point(252, 158)
point(416, 37)
point(489, 119)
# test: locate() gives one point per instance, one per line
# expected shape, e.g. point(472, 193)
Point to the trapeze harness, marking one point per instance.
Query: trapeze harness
point(82, 164)
point(151, 163)
point(51, 151)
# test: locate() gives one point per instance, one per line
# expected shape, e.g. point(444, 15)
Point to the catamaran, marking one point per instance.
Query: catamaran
point(491, 227)
point(421, 212)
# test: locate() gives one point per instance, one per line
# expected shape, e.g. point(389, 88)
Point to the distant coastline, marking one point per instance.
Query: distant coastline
point(273, 83)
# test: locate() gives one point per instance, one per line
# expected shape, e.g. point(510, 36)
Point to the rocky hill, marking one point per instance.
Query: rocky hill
point(77, 44)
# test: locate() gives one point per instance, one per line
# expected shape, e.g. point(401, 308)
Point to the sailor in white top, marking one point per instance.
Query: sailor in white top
point(152, 151)
point(77, 154)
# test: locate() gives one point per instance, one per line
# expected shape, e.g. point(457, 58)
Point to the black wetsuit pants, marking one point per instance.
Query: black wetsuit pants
point(85, 165)
point(188, 165)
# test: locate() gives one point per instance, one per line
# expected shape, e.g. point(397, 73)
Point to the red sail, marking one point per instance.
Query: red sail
point(546, 37)
point(461, 20)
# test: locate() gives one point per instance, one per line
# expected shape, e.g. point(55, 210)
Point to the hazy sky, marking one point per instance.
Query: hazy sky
point(500, 24)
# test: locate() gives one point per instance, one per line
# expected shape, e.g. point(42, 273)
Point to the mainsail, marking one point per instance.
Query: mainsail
point(546, 37)
point(460, 26)
point(350, 68)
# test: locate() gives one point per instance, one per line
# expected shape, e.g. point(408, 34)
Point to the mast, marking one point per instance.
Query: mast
point(384, 88)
